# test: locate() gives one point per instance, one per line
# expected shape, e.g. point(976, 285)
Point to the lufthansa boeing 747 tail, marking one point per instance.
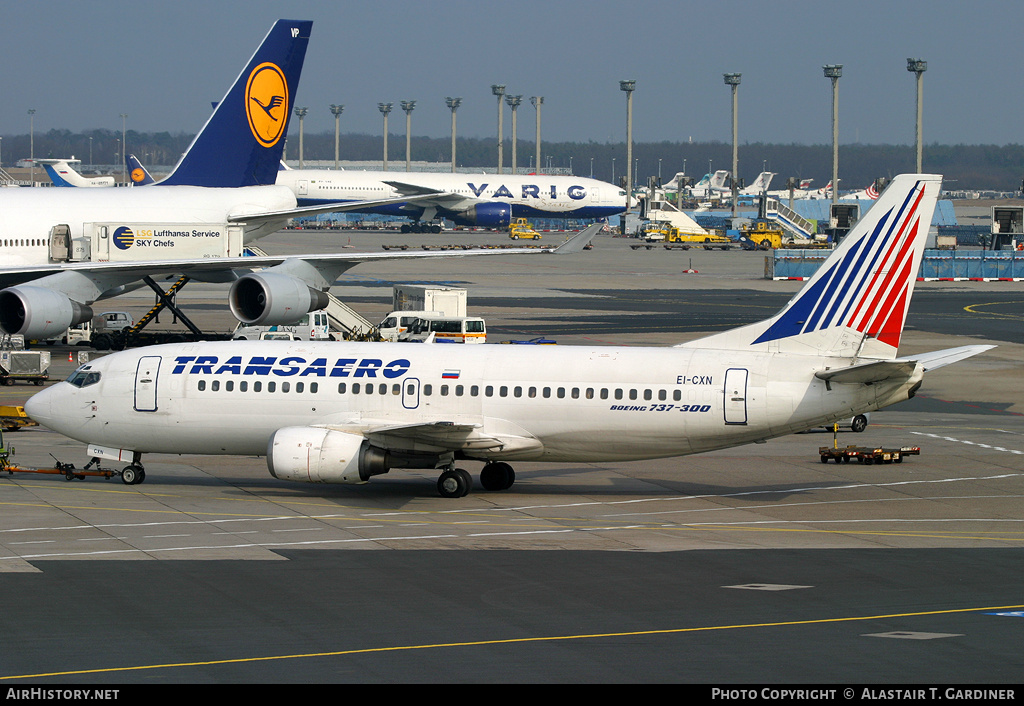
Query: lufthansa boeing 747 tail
point(243, 141)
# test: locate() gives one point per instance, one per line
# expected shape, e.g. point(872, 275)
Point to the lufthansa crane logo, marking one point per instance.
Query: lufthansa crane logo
point(138, 175)
point(124, 237)
point(266, 103)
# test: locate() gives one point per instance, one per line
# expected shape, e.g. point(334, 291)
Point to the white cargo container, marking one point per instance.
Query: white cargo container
point(128, 242)
point(450, 301)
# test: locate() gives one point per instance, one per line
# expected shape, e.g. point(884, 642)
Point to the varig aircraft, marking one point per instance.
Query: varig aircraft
point(63, 249)
point(344, 412)
point(486, 200)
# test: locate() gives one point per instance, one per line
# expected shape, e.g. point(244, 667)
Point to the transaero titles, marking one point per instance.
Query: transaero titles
point(290, 365)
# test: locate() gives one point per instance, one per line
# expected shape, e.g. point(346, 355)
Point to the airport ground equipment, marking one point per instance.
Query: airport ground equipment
point(13, 418)
point(67, 470)
point(521, 229)
point(1007, 227)
point(761, 235)
point(27, 366)
point(867, 454)
point(777, 212)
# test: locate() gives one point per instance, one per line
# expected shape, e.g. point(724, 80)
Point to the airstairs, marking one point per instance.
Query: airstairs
point(789, 219)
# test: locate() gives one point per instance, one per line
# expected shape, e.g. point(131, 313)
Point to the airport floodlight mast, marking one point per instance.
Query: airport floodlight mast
point(124, 149)
point(408, 107)
point(499, 91)
point(733, 80)
point(301, 112)
point(453, 105)
point(513, 103)
point(537, 102)
point(336, 111)
point(32, 145)
point(384, 109)
point(834, 72)
point(918, 67)
point(628, 87)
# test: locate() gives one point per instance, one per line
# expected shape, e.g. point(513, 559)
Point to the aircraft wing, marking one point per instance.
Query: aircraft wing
point(413, 193)
point(337, 207)
point(103, 276)
point(446, 435)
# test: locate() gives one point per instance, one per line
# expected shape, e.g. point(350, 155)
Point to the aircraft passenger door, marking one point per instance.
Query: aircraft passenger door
point(736, 396)
point(145, 383)
point(411, 393)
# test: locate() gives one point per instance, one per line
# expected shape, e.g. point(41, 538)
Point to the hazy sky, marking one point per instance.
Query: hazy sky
point(82, 64)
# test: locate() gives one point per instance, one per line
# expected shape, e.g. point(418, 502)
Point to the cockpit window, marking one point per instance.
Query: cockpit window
point(84, 378)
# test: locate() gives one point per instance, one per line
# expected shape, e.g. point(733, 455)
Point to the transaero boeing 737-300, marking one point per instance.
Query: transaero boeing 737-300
point(345, 412)
point(63, 249)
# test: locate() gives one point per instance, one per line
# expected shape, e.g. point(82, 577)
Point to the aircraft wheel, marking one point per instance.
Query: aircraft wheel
point(454, 483)
point(859, 423)
point(405, 228)
point(435, 229)
point(133, 475)
point(497, 476)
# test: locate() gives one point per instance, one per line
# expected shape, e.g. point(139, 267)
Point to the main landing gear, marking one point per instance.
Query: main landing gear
point(456, 482)
point(421, 227)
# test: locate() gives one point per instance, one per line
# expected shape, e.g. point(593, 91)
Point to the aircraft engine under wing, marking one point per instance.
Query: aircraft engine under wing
point(462, 210)
point(60, 294)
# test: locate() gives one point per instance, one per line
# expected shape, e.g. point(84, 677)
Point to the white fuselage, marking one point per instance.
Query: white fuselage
point(545, 403)
point(27, 215)
point(527, 195)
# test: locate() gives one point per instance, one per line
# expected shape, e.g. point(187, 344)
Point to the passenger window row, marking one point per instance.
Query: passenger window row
point(428, 390)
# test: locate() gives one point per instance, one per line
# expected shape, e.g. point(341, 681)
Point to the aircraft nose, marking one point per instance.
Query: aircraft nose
point(40, 407)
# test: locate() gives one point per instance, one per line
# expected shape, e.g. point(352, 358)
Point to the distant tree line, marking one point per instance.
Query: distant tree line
point(974, 167)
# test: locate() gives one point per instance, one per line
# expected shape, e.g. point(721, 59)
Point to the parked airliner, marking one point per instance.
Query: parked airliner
point(63, 249)
point(344, 412)
point(61, 173)
point(486, 200)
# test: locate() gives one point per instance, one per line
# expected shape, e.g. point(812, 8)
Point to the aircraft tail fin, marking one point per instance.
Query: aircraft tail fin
point(61, 177)
point(719, 178)
point(855, 305)
point(136, 172)
point(243, 141)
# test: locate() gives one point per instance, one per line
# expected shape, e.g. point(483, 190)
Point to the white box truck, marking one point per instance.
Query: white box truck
point(450, 301)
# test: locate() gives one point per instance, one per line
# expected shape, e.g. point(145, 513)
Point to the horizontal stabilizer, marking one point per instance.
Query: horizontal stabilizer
point(876, 371)
point(579, 241)
point(939, 359)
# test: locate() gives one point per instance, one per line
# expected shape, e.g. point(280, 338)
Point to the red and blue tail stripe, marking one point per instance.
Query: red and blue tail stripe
point(865, 286)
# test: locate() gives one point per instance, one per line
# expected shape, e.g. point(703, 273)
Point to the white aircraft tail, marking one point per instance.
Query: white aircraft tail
point(761, 183)
point(719, 178)
point(856, 303)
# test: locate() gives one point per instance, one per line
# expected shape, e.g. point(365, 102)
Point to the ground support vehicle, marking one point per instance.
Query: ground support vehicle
point(13, 418)
point(761, 235)
point(521, 229)
point(867, 454)
point(67, 470)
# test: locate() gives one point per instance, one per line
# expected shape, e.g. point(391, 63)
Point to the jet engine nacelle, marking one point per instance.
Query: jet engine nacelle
point(38, 312)
point(316, 455)
point(486, 215)
point(273, 299)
